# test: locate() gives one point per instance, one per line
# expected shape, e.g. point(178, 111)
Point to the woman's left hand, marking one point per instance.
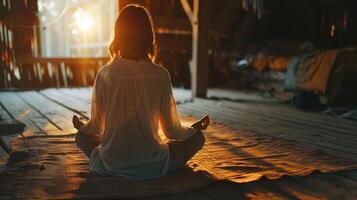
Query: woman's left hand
point(202, 124)
point(76, 122)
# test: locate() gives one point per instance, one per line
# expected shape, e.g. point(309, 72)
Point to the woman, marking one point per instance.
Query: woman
point(131, 97)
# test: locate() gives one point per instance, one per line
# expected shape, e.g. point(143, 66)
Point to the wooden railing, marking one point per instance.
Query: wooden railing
point(32, 72)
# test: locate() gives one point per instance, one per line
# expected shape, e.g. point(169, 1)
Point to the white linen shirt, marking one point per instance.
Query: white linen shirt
point(129, 101)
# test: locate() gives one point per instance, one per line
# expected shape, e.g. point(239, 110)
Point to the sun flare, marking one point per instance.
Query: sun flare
point(83, 20)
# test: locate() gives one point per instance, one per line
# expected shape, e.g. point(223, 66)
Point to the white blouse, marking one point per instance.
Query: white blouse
point(129, 101)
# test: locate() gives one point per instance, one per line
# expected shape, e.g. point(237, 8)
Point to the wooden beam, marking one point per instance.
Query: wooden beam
point(187, 8)
point(199, 65)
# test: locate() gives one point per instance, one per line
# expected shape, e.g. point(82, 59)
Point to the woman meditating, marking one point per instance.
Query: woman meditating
point(131, 97)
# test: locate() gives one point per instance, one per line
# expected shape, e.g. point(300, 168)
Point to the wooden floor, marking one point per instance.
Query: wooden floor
point(48, 111)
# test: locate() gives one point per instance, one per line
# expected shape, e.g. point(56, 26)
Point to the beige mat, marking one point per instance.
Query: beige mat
point(241, 156)
point(56, 168)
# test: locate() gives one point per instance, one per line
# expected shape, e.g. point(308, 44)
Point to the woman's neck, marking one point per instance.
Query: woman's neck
point(134, 57)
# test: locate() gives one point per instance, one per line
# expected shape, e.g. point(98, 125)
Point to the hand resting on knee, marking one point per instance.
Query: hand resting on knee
point(201, 124)
point(76, 122)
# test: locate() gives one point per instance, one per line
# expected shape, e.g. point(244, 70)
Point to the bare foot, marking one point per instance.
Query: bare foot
point(76, 122)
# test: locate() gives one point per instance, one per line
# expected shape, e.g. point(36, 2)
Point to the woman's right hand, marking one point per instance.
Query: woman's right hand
point(202, 124)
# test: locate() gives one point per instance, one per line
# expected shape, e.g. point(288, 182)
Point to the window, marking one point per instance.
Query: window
point(76, 28)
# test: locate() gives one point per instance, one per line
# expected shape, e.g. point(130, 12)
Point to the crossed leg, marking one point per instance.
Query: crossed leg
point(183, 151)
point(180, 151)
point(87, 142)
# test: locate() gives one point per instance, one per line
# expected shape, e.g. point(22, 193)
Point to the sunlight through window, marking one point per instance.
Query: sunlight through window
point(83, 20)
point(72, 28)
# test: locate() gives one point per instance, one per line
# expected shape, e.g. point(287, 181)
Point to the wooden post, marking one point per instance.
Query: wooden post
point(199, 65)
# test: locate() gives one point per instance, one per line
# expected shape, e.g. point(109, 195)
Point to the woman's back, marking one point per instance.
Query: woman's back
point(129, 96)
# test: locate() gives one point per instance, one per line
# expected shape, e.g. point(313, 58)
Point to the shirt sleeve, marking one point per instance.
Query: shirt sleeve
point(95, 124)
point(169, 117)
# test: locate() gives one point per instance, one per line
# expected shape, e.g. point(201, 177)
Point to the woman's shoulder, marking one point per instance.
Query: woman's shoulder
point(103, 69)
point(161, 70)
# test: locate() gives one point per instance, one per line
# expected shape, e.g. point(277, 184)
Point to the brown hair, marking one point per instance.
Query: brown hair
point(133, 35)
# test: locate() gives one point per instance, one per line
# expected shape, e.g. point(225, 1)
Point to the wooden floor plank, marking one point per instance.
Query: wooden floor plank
point(58, 115)
point(19, 110)
point(314, 118)
point(82, 94)
point(237, 96)
point(81, 108)
point(4, 114)
point(317, 121)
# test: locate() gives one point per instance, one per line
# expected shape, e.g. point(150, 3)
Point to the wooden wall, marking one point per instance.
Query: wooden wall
point(18, 29)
